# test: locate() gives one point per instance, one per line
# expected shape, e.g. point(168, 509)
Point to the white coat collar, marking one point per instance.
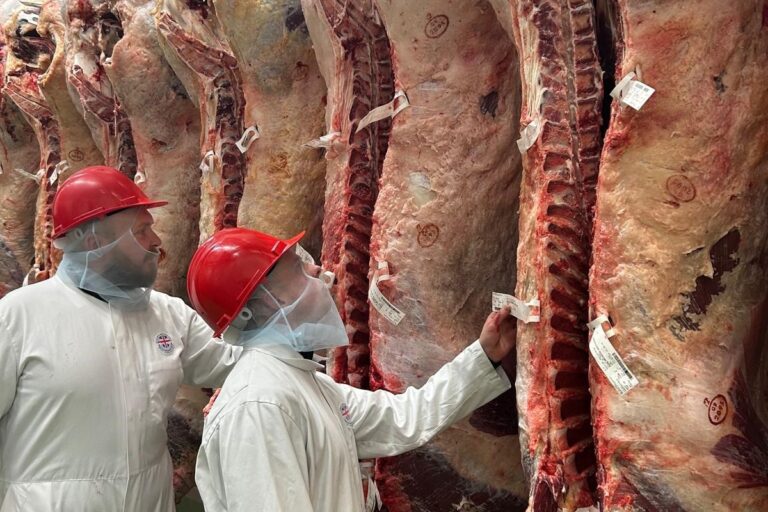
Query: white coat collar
point(288, 356)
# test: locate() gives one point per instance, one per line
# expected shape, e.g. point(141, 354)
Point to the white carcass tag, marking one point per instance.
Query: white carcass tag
point(373, 499)
point(632, 92)
point(391, 109)
point(139, 177)
point(28, 17)
point(606, 357)
point(304, 255)
point(60, 168)
point(207, 164)
point(325, 141)
point(379, 301)
point(529, 135)
point(525, 311)
point(38, 177)
point(249, 135)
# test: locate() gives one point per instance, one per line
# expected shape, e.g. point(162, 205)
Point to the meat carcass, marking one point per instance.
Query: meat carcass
point(92, 31)
point(445, 222)
point(166, 128)
point(680, 259)
point(34, 81)
point(285, 98)
point(353, 50)
point(562, 99)
point(195, 48)
point(18, 150)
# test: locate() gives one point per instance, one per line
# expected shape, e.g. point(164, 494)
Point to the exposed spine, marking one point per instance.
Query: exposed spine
point(223, 188)
point(365, 43)
point(563, 164)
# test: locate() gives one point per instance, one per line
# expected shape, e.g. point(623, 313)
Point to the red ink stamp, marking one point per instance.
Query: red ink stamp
point(681, 188)
point(427, 234)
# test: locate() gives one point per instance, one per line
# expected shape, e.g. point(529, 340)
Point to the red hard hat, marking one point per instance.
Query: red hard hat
point(94, 192)
point(227, 268)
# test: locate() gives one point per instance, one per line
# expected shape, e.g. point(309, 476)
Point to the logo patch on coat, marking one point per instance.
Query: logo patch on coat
point(164, 343)
point(345, 413)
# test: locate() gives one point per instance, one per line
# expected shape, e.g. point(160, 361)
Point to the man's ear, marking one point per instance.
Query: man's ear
point(90, 241)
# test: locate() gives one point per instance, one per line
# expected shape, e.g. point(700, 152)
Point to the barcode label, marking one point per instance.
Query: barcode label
point(610, 362)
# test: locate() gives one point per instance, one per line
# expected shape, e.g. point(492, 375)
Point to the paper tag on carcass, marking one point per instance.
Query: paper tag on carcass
point(249, 135)
point(304, 255)
point(139, 177)
point(632, 92)
point(60, 168)
point(391, 109)
point(526, 311)
point(38, 177)
point(529, 135)
point(28, 17)
point(325, 141)
point(379, 301)
point(603, 321)
point(373, 498)
point(207, 164)
point(610, 362)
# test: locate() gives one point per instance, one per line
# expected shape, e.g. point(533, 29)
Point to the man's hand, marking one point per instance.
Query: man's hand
point(498, 335)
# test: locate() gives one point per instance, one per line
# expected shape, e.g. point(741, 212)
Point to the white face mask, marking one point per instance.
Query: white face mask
point(291, 308)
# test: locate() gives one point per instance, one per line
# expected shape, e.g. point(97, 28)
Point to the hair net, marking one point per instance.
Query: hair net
point(116, 267)
point(290, 308)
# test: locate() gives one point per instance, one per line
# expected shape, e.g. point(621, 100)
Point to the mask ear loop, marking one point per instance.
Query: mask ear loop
point(79, 235)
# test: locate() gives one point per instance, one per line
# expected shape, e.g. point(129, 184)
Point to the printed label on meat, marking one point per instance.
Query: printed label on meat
point(636, 94)
point(379, 301)
point(525, 311)
point(610, 362)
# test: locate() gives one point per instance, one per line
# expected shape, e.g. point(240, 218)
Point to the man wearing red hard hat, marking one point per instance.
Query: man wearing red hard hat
point(92, 359)
point(284, 437)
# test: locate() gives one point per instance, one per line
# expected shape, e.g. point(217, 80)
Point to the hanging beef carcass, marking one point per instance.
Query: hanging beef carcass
point(194, 46)
point(562, 98)
point(445, 222)
point(680, 259)
point(92, 31)
point(34, 81)
point(285, 99)
point(166, 129)
point(18, 150)
point(354, 54)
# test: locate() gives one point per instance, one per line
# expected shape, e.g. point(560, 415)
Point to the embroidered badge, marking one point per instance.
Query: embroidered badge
point(164, 343)
point(345, 413)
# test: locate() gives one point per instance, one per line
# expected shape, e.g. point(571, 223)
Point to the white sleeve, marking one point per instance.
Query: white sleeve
point(9, 365)
point(255, 461)
point(386, 424)
point(206, 360)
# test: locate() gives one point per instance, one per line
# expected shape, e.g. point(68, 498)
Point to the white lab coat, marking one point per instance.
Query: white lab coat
point(283, 437)
point(85, 390)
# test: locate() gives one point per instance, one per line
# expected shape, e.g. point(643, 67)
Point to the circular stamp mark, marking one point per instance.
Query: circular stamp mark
point(681, 188)
point(717, 409)
point(427, 234)
point(436, 26)
point(76, 155)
